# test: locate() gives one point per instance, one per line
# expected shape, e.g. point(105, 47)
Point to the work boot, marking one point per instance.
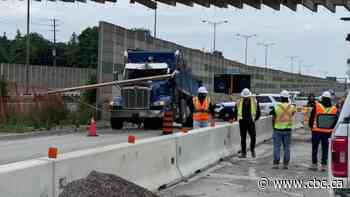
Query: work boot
point(275, 166)
point(313, 167)
point(253, 153)
point(323, 167)
point(243, 155)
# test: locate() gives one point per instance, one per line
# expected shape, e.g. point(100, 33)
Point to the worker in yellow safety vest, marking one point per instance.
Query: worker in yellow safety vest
point(282, 119)
point(202, 109)
point(321, 135)
point(247, 111)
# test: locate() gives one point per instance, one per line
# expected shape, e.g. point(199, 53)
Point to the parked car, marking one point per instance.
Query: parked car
point(338, 154)
point(267, 102)
point(225, 110)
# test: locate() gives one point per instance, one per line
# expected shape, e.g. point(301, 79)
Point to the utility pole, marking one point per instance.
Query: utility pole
point(292, 58)
point(214, 24)
point(246, 37)
point(155, 20)
point(54, 41)
point(28, 47)
point(300, 62)
point(266, 46)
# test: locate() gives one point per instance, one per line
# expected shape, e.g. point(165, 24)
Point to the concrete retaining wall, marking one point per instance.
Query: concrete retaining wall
point(151, 163)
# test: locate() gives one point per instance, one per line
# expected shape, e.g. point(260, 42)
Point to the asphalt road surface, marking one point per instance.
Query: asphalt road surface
point(35, 147)
point(239, 177)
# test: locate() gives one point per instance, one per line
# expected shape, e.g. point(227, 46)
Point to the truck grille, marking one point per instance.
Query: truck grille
point(136, 97)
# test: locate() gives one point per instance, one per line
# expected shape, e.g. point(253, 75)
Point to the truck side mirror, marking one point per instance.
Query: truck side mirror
point(115, 76)
point(326, 121)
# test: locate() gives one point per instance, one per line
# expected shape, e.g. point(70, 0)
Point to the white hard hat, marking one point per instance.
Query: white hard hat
point(326, 94)
point(246, 93)
point(203, 90)
point(285, 94)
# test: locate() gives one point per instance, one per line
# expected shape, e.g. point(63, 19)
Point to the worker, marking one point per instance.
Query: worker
point(282, 120)
point(321, 135)
point(202, 109)
point(247, 111)
point(311, 100)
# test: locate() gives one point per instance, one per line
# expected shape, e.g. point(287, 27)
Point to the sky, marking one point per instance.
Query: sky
point(317, 39)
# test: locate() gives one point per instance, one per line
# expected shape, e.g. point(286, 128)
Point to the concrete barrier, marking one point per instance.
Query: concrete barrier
point(150, 163)
point(33, 178)
point(202, 147)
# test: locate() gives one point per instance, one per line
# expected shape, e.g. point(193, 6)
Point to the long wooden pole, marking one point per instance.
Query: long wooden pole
point(122, 82)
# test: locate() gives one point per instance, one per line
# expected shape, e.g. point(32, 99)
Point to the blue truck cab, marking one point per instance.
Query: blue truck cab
point(146, 102)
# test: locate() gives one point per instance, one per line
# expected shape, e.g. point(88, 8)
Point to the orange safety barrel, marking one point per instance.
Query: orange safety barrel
point(168, 123)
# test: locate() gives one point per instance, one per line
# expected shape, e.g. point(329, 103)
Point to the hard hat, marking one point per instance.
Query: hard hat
point(326, 94)
point(285, 94)
point(203, 90)
point(246, 93)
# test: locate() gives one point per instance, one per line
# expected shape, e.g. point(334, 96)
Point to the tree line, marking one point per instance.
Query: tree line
point(80, 51)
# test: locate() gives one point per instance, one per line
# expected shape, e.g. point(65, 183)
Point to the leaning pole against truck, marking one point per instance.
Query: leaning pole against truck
point(152, 83)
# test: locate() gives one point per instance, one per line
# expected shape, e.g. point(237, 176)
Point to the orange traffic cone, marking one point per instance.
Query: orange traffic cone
point(92, 128)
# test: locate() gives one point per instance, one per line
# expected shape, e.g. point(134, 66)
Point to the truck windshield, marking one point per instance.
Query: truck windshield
point(138, 73)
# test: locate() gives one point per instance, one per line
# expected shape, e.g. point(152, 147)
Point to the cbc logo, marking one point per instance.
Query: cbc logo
point(263, 183)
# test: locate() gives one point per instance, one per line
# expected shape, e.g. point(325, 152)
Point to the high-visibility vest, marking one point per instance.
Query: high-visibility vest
point(320, 109)
point(284, 116)
point(201, 109)
point(253, 109)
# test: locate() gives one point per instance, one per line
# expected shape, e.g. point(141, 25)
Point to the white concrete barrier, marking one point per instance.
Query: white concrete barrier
point(263, 128)
point(33, 178)
point(150, 163)
point(202, 147)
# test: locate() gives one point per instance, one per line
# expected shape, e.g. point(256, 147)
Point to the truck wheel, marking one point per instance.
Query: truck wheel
point(116, 123)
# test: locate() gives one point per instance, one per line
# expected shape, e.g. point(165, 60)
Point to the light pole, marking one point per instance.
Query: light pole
point(266, 46)
point(292, 58)
point(155, 20)
point(246, 37)
point(214, 24)
point(28, 47)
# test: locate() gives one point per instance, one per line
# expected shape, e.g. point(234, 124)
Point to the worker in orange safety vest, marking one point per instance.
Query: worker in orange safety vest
point(321, 135)
point(202, 109)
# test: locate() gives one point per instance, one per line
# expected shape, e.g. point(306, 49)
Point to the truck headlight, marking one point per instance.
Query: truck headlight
point(159, 103)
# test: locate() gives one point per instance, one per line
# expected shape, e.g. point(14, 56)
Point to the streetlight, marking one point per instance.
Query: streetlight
point(155, 20)
point(28, 47)
point(292, 58)
point(214, 23)
point(246, 37)
point(266, 45)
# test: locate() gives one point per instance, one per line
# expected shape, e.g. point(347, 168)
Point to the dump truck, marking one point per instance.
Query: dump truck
point(146, 101)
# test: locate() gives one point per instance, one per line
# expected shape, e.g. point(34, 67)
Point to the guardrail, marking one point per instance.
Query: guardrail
point(152, 163)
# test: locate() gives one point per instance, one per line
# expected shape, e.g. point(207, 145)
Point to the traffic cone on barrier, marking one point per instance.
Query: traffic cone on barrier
point(52, 153)
point(131, 139)
point(92, 128)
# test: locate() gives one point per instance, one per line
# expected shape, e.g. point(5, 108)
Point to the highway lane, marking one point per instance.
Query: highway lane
point(239, 177)
point(34, 147)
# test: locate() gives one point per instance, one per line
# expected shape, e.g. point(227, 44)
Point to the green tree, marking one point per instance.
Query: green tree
point(88, 47)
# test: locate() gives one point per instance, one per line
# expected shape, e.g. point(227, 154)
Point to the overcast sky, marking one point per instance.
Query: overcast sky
point(318, 39)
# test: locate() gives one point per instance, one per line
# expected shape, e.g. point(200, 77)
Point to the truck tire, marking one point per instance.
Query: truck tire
point(153, 123)
point(184, 112)
point(116, 123)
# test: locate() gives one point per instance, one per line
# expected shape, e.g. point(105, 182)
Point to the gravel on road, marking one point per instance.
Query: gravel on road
point(98, 184)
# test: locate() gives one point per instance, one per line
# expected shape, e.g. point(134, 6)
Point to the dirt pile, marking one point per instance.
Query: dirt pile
point(104, 185)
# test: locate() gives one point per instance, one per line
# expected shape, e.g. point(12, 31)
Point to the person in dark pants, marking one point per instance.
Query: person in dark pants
point(282, 119)
point(321, 135)
point(247, 111)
